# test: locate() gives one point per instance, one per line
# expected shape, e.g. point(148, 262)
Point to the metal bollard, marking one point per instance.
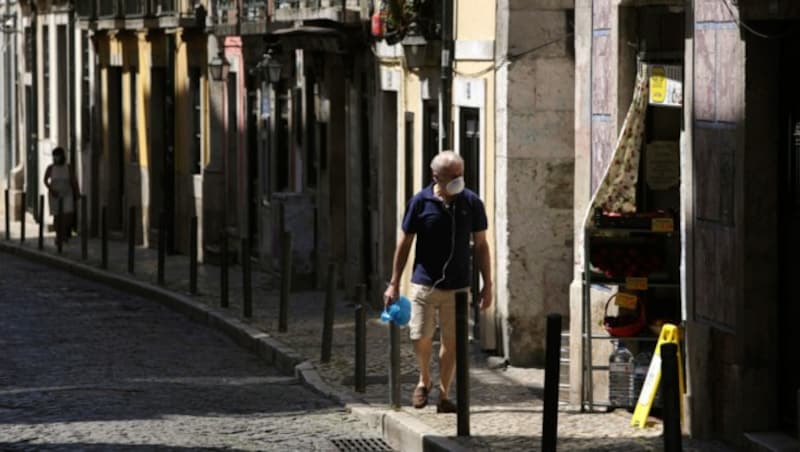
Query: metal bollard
point(361, 340)
point(84, 229)
point(551, 376)
point(476, 297)
point(41, 222)
point(104, 238)
point(8, 217)
point(131, 239)
point(22, 219)
point(162, 241)
point(462, 363)
point(247, 289)
point(670, 394)
point(193, 256)
point(60, 226)
point(394, 365)
point(286, 280)
point(223, 276)
point(328, 316)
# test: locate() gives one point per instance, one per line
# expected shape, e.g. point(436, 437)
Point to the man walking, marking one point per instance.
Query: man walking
point(442, 216)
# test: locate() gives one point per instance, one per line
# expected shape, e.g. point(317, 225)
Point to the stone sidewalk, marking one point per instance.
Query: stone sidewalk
point(506, 403)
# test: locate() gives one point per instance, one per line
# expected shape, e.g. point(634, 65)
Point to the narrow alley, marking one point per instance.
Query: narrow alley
point(84, 367)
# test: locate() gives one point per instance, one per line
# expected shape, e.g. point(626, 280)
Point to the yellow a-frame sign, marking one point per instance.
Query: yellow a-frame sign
point(669, 333)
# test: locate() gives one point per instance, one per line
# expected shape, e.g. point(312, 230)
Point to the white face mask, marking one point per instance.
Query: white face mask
point(455, 186)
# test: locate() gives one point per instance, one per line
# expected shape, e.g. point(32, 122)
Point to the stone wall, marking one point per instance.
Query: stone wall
point(535, 231)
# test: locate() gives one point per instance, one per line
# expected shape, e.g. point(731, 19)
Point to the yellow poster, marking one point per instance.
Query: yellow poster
point(666, 85)
point(658, 86)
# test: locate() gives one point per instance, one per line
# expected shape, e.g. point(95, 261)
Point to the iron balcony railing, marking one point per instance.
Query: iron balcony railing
point(162, 7)
point(304, 4)
point(336, 10)
point(226, 12)
point(254, 11)
point(108, 8)
point(134, 8)
point(312, 4)
point(85, 9)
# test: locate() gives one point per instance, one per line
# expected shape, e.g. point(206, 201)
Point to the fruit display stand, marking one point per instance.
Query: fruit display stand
point(630, 264)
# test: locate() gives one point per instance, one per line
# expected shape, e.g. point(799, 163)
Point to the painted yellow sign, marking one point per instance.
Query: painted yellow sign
point(666, 85)
point(634, 283)
point(669, 334)
point(662, 225)
point(658, 85)
point(626, 300)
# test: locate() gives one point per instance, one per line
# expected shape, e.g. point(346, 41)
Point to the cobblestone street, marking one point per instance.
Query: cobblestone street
point(85, 367)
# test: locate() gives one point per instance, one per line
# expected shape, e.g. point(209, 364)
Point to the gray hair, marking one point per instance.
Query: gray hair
point(446, 159)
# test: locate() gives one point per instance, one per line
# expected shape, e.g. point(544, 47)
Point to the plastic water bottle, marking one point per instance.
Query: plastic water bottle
point(620, 377)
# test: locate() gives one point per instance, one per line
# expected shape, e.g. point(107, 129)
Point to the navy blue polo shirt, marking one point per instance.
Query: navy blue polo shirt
point(432, 222)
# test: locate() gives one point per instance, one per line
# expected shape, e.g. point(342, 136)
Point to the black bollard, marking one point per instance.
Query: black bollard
point(286, 280)
point(462, 363)
point(8, 217)
point(476, 297)
point(84, 229)
point(247, 289)
point(22, 219)
point(60, 226)
point(361, 340)
point(193, 256)
point(41, 222)
point(670, 394)
point(162, 242)
point(551, 376)
point(223, 276)
point(328, 316)
point(131, 239)
point(103, 238)
point(394, 365)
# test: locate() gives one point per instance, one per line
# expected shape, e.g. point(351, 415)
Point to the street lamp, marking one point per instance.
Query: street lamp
point(414, 47)
point(270, 67)
point(219, 67)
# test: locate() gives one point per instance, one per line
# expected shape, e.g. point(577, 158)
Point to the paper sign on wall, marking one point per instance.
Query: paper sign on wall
point(662, 165)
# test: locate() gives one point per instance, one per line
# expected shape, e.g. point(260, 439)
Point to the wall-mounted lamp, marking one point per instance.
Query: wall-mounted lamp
point(219, 67)
point(270, 67)
point(414, 47)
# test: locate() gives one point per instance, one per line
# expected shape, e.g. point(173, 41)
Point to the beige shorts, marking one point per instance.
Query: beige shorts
point(426, 304)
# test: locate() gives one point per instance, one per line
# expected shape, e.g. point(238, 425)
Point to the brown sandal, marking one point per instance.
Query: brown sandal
point(446, 406)
point(420, 397)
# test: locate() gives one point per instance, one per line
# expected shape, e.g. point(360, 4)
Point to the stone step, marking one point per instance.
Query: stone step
point(771, 442)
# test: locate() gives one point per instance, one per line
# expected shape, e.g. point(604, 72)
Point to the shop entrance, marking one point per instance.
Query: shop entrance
point(789, 241)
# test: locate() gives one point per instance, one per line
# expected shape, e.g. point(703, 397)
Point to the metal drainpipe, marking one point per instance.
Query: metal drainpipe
point(447, 75)
point(71, 92)
point(6, 92)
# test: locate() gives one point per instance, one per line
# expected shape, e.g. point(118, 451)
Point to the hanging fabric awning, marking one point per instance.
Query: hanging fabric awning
point(616, 192)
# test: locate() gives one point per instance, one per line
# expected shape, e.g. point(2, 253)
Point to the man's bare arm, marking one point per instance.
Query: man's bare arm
point(398, 264)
